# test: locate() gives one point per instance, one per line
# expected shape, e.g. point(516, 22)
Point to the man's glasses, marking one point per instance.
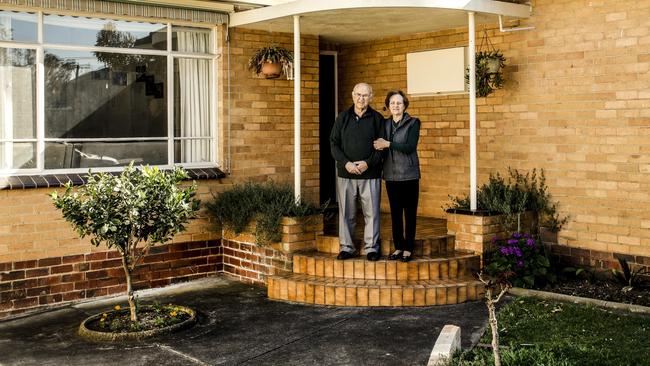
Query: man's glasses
point(359, 96)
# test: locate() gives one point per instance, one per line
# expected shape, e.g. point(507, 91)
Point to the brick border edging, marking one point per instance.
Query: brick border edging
point(637, 309)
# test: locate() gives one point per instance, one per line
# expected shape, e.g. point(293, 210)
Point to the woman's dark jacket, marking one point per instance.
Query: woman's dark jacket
point(401, 158)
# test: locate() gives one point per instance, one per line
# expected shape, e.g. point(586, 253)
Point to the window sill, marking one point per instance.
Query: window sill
point(59, 180)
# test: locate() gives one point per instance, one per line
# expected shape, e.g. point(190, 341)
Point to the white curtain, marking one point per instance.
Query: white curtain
point(6, 104)
point(194, 79)
point(6, 115)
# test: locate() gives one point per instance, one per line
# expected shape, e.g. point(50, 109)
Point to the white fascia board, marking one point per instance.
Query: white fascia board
point(262, 2)
point(190, 4)
point(299, 7)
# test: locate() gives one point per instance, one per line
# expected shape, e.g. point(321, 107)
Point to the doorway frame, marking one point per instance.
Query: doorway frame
point(336, 104)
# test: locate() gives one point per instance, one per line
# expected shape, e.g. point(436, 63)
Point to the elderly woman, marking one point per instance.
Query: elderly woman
point(401, 172)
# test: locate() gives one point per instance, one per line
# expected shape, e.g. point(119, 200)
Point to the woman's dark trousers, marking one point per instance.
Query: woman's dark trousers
point(403, 198)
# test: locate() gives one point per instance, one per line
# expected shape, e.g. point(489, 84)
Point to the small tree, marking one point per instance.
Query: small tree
point(138, 206)
point(501, 284)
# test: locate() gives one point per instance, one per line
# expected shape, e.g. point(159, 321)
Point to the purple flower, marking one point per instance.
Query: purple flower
point(512, 241)
point(504, 250)
point(520, 264)
point(517, 252)
point(530, 242)
point(494, 240)
point(516, 235)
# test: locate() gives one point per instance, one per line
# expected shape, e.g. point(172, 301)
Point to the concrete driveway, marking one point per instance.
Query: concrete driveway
point(238, 325)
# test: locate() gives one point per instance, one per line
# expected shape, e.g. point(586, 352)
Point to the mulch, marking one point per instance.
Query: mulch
point(602, 290)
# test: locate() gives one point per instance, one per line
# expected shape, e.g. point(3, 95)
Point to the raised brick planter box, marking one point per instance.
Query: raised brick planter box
point(249, 262)
point(474, 230)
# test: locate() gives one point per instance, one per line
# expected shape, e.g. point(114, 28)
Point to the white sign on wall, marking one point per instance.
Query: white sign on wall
point(436, 72)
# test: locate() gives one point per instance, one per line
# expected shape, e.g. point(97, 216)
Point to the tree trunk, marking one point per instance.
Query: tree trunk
point(494, 327)
point(129, 289)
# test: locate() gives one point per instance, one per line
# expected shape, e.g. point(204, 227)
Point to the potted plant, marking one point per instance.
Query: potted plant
point(516, 203)
point(271, 61)
point(135, 208)
point(265, 205)
point(488, 72)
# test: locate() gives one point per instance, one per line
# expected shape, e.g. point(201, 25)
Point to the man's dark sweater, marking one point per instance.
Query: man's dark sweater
point(351, 140)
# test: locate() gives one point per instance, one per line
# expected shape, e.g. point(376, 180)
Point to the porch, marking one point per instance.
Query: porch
point(438, 275)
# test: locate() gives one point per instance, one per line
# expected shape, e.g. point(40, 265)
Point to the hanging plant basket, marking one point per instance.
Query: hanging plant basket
point(271, 62)
point(489, 66)
point(271, 70)
point(494, 64)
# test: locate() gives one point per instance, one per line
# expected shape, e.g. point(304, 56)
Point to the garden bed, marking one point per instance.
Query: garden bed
point(601, 290)
point(153, 320)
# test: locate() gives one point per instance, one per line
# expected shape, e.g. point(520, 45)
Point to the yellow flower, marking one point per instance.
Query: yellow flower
point(117, 307)
point(104, 315)
point(173, 314)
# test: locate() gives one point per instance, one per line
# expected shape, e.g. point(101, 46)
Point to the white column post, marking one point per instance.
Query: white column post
point(296, 106)
point(472, 112)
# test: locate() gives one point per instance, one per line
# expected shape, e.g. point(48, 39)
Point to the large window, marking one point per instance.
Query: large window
point(100, 93)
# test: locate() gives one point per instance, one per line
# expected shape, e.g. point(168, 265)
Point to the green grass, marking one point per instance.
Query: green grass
point(551, 333)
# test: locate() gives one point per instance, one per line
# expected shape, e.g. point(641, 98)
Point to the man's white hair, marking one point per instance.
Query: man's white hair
point(363, 84)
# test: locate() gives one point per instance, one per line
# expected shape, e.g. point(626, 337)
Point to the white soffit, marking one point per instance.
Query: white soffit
point(351, 21)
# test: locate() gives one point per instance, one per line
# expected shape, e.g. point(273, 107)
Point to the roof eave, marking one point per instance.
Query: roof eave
point(309, 6)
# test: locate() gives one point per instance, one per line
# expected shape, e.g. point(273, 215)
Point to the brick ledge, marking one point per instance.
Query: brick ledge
point(59, 180)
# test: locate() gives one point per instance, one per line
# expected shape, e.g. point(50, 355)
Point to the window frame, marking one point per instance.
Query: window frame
point(213, 57)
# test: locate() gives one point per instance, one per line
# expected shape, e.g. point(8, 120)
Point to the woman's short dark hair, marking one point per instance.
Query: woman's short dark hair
point(395, 92)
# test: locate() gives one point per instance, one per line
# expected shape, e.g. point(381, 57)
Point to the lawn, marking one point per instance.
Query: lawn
point(539, 332)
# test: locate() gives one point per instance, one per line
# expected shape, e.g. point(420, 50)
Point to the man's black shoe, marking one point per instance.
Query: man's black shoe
point(344, 255)
point(373, 256)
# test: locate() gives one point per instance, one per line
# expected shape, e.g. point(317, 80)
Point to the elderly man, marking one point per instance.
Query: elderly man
point(359, 171)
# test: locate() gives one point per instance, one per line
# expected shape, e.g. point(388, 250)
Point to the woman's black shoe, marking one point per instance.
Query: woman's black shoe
point(406, 258)
point(394, 257)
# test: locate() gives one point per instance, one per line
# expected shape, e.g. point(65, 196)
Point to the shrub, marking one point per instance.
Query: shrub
point(522, 256)
point(267, 203)
point(123, 211)
point(630, 278)
point(514, 195)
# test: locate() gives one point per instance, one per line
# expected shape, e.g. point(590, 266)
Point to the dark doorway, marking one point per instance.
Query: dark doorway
point(327, 92)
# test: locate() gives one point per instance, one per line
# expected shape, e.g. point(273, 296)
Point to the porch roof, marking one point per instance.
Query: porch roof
point(351, 21)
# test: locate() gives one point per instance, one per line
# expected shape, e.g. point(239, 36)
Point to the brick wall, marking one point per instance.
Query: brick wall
point(575, 103)
point(262, 114)
point(30, 284)
point(31, 228)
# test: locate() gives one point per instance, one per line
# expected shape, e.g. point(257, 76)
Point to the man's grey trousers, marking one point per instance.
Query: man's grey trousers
point(369, 192)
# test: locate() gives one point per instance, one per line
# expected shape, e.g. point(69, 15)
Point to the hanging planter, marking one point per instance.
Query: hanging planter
point(271, 70)
point(489, 66)
point(271, 62)
point(495, 61)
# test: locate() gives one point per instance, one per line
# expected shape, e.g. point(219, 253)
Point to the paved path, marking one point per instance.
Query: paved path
point(238, 325)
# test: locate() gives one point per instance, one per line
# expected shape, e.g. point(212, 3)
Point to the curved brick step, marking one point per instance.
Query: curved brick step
point(350, 292)
point(439, 244)
point(452, 265)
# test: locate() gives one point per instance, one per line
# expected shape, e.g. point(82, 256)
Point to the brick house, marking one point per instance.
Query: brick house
point(576, 103)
